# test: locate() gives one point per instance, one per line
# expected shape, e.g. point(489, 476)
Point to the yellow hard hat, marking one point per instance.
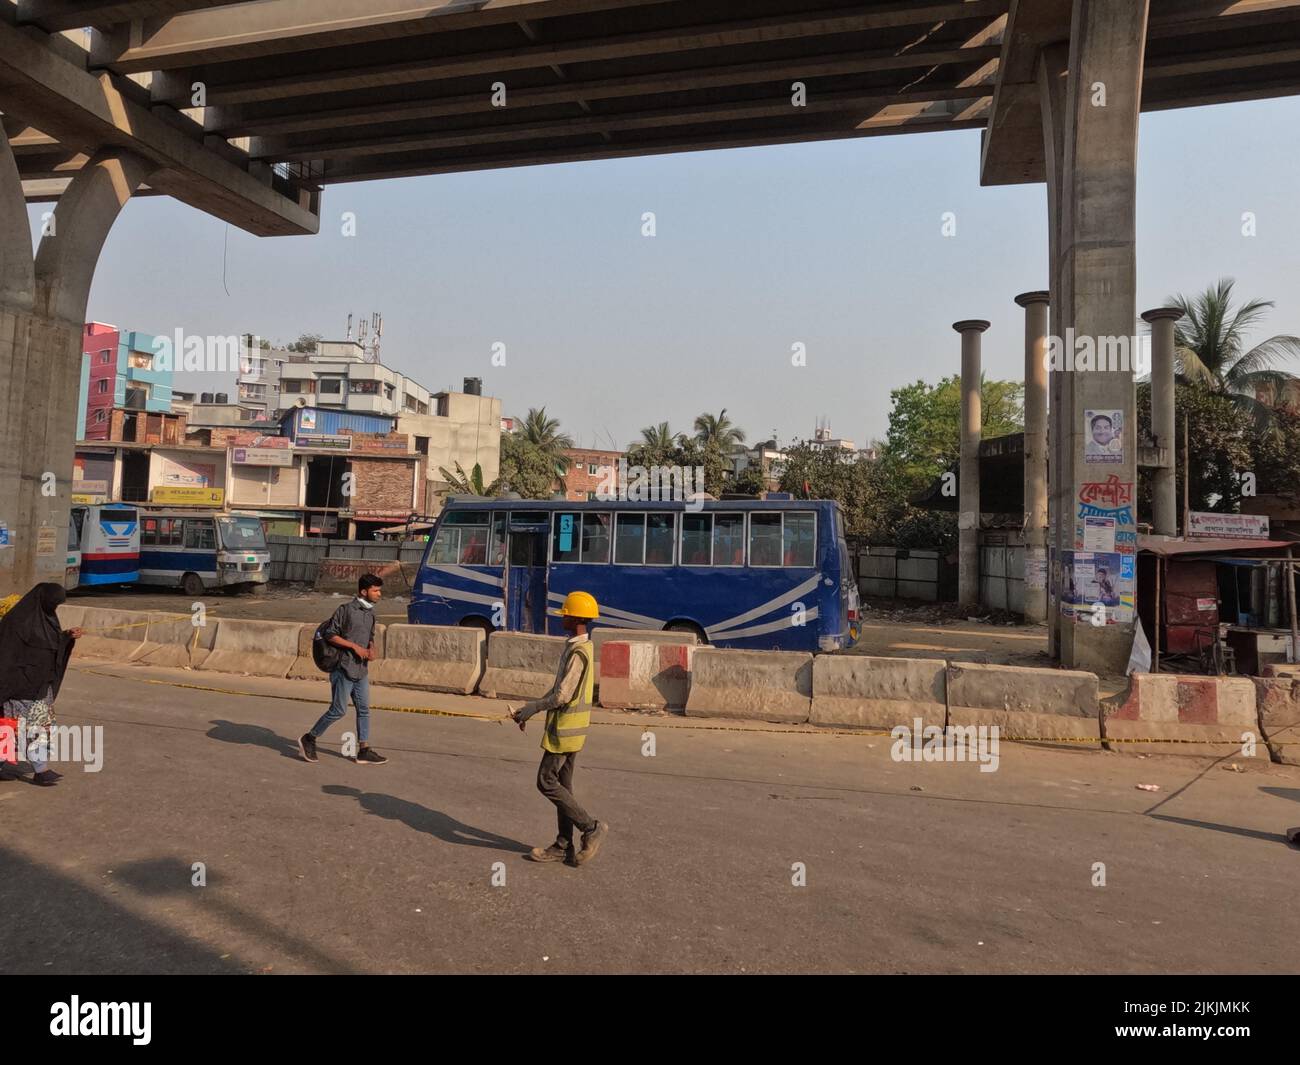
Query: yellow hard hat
point(579, 605)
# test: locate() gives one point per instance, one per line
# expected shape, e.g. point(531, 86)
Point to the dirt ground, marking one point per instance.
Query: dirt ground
point(943, 630)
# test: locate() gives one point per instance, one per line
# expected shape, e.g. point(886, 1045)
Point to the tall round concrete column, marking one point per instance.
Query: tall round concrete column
point(1036, 305)
point(1165, 493)
point(968, 485)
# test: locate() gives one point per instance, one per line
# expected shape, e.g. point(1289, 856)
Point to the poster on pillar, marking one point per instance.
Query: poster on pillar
point(1104, 437)
point(1098, 587)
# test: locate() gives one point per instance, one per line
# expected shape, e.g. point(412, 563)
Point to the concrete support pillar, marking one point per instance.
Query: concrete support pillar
point(968, 483)
point(42, 315)
point(1053, 62)
point(1165, 494)
point(1036, 313)
point(1091, 130)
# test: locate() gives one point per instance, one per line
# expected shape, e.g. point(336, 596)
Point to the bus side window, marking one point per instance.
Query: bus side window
point(798, 541)
point(497, 553)
point(169, 532)
point(728, 539)
point(765, 539)
point(595, 537)
point(149, 532)
point(199, 534)
point(697, 539)
point(659, 539)
point(473, 548)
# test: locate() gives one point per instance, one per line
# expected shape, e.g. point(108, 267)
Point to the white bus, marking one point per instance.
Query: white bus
point(196, 552)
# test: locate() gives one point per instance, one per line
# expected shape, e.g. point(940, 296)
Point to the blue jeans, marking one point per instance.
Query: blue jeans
point(344, 686)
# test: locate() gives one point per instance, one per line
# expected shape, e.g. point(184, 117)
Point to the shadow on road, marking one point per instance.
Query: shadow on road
point(1232, 830)
point(254, 735)
point(76, 930)
point(158, 877)
point(423, 819)
point(1283, 793)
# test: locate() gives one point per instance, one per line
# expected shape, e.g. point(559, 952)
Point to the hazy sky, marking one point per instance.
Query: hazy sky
point(836, 245)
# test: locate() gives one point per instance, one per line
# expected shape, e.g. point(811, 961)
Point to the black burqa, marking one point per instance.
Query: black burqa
point(34, 649)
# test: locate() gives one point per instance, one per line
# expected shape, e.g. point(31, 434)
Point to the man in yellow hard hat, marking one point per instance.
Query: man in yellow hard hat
point(568, 715)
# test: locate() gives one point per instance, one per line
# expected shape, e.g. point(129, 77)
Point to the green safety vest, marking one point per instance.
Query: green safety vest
point(566, 726)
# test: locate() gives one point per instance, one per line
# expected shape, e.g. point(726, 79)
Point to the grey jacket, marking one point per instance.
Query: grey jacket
point(356, 623)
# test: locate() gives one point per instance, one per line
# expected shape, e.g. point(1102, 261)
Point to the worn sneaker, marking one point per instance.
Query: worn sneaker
point(591, 842)
point(553, 853)
point(307, 747)
point(47, 778)
point(370, 756)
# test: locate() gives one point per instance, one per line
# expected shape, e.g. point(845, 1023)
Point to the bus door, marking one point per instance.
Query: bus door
point(526, 575)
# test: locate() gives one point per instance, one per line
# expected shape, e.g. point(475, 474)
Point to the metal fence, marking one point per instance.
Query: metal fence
point(296, 559)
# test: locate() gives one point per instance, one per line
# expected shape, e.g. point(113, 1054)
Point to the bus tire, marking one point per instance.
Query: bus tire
point(192, 584)
point(688, 626)
point(478, 623)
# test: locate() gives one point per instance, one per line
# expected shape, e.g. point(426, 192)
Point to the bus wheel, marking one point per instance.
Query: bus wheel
point(687, 626)
point(478, 623)
point(192, 584)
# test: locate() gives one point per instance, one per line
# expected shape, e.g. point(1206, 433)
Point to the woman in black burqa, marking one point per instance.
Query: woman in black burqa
point(34, 653)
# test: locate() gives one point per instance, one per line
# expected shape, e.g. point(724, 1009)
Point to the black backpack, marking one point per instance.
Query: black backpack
point(326, 656)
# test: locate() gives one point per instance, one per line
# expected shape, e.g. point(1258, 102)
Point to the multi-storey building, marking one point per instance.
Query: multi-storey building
point(119, 371)
point(337, 377)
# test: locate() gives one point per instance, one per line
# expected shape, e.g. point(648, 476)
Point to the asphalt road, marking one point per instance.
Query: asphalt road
point(335, 867)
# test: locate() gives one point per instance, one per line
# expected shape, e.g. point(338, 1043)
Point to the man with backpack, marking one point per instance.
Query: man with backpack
point(343, 646)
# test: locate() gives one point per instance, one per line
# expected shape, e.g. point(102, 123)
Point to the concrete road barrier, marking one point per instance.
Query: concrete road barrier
point(254, 648)
point(520, 665)
point(751, 685)
point(71, 616)
point(1277, 704)
point(1025, 703)
point(645, 675)
point(858, 691)
point(174, 640)
point(1215, 712)
point(115, 634)
point(440, 658)
point(602, 634)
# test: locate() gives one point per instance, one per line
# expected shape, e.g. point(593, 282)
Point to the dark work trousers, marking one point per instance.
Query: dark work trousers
point(555, 781)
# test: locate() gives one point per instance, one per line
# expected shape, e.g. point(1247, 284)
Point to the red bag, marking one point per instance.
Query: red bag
point(9, 740)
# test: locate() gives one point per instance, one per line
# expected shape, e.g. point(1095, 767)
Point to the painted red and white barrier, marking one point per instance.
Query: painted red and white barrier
point(639, 675)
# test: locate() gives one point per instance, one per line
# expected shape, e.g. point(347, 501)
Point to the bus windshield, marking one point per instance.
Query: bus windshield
point(241, 534)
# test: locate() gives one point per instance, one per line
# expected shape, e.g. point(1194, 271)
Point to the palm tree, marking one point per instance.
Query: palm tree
point(462, 483)
point(655, 448)
point(717, 433)
point(1210, 344)
point(544, 434)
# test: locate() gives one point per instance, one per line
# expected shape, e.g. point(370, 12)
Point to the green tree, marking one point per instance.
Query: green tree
point(1210, 347)
point(814, 472)
point(924, 436)
point(307, 342)
point(658, 446)
point(525, 469)
point(544, 434)
point(462, 483)
point(1220, 435)
point(923, 442)
point(718, 432)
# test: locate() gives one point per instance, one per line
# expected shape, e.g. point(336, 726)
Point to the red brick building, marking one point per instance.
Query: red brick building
point(590, 471)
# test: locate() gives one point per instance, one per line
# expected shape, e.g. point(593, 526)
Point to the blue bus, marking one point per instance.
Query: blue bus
point(195, 551)
point(108, 537)
point(757, 574)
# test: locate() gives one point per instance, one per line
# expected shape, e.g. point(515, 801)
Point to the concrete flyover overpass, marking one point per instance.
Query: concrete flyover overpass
point(247, 110)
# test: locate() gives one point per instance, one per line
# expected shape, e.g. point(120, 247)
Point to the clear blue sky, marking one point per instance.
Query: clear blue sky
point(836, 245)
